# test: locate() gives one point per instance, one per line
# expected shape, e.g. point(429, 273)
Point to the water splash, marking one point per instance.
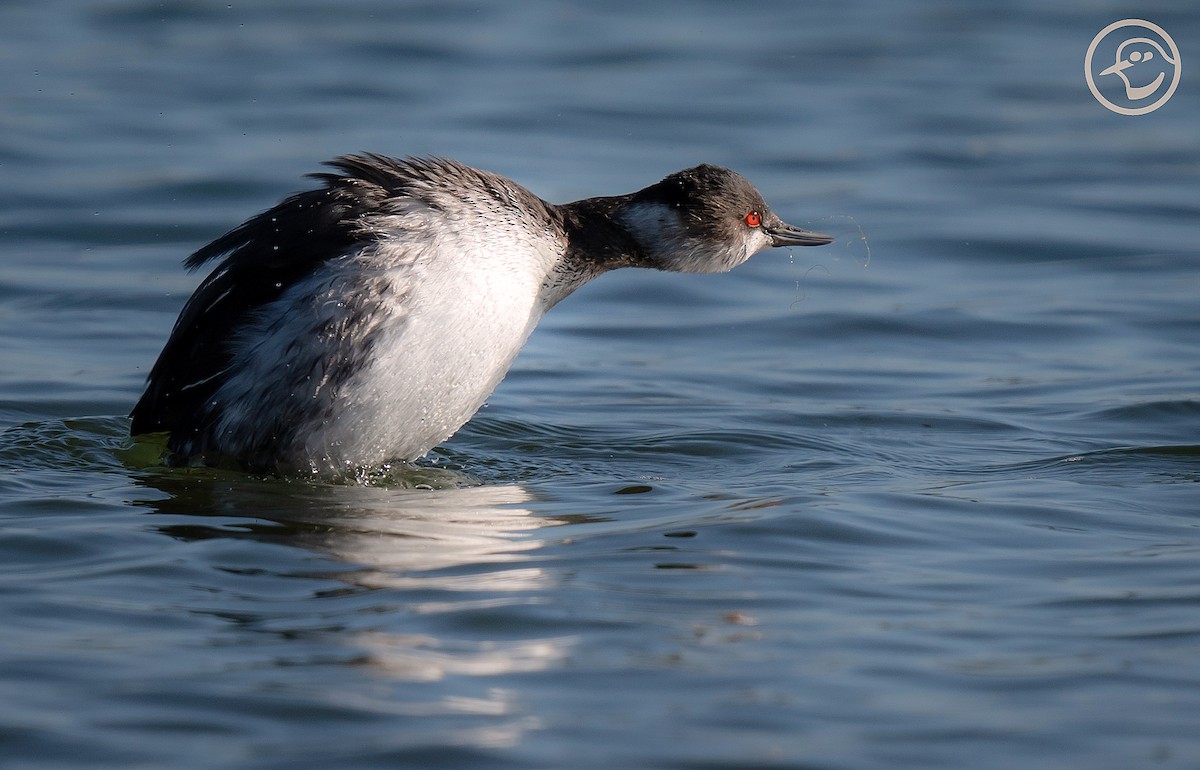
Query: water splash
point(848, 239)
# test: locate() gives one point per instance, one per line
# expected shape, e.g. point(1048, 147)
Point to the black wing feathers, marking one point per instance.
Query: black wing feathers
point(262, 258)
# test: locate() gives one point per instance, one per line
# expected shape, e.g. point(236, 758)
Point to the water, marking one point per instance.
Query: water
point(927, 499)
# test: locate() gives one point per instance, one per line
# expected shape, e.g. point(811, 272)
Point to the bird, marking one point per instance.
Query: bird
point(1142, 54)
point(364, 321)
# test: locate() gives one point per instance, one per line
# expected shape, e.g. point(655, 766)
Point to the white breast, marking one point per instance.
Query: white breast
point(463, 299)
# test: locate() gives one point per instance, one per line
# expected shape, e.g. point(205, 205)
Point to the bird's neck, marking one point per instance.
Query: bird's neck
point(596, 242)
point(596, 237)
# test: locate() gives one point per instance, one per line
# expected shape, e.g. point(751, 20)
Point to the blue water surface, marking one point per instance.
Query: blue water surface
point(925, 498)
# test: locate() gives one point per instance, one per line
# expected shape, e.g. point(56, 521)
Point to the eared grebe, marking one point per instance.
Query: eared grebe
point(367, 320)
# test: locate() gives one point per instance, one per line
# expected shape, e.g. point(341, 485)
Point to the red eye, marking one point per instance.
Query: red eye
point(754, 219)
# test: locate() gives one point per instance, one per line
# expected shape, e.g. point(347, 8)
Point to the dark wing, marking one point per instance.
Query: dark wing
point(262, 258)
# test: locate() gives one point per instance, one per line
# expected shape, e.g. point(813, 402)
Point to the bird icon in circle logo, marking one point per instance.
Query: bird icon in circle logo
point(1145, 64)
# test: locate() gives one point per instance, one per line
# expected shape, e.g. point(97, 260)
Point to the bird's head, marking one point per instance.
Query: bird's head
point(706, 219)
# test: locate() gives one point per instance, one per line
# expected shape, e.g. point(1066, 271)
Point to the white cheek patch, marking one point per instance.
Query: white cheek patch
point(757, 241)
point(659, 230)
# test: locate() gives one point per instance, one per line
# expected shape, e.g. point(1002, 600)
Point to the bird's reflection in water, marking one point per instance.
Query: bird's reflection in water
point(394, 533)
point(430, 589)
point(400, 536)
point(462, 551)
